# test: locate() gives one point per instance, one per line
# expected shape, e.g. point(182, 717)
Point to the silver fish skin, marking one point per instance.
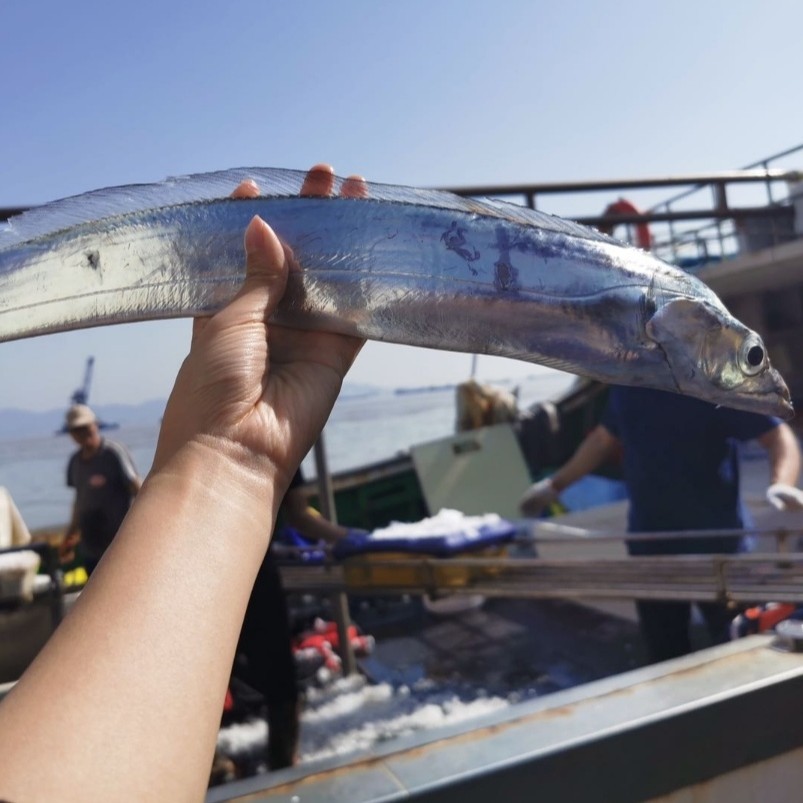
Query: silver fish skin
point(402, 265)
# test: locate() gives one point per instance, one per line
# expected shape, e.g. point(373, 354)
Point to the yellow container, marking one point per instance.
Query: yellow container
point(402, 570)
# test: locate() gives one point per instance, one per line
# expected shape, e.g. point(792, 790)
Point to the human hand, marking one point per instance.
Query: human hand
point(256, 393)
point(538, 497)
point(785, 497)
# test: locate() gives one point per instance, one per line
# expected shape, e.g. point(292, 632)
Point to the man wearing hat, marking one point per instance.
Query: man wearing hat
point(105, 481)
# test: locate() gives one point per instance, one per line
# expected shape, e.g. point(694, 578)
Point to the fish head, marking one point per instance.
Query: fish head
point(715, 357)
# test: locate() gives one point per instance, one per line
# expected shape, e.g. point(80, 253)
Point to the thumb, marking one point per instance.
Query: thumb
point(265, 267)
point(265, 256)
point(266, 264)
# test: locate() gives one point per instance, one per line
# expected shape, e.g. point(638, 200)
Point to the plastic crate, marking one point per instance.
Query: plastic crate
point(368, 562)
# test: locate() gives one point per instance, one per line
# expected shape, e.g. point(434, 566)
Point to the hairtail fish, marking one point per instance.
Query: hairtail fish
point(412, 266)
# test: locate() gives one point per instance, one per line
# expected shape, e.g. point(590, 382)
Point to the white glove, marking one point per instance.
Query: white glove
point(537, 497)
point(785, 497)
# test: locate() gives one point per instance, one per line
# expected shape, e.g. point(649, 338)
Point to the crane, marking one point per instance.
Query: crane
point(81, 395)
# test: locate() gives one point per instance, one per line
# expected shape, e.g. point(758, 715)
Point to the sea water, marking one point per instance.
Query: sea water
point(362, 429)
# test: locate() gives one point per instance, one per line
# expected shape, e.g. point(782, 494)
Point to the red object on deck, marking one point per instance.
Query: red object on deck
point(761, 618)
point(324, 639)
point(624, 207)
point(766, 617)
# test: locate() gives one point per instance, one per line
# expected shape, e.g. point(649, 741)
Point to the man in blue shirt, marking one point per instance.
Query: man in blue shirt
point(681, 468)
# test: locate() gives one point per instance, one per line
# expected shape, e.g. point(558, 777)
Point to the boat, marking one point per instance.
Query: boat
point(719, 724)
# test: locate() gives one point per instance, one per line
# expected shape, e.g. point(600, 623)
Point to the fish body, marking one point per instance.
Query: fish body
point(418, 267)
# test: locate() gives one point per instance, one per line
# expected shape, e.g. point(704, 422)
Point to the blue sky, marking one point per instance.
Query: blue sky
point(436, 93)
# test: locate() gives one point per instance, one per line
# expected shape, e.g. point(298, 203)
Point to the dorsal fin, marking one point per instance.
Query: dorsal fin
point(76, 210)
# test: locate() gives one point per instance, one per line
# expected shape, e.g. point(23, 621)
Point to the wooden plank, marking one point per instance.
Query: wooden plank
point(738, 578)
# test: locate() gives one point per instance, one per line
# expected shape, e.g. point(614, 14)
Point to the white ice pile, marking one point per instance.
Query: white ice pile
point(446, 522)
point(243, 737)
point(351, 715)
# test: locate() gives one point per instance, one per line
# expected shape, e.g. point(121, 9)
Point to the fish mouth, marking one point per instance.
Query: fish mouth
point(772, 404)
point(782, 407)
point(776, 401)
point(767, 396)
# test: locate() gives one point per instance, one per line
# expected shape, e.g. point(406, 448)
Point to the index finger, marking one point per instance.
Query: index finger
point(354, 187)
point(246, 189)
point(320, 180)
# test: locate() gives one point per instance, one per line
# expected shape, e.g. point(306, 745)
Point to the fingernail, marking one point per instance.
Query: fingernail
point(254, 235)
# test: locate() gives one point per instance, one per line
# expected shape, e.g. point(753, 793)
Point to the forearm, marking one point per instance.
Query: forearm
point(783, 453)
point(592, 452)
point(194, 540)
point(299, 515)
point(317, 528)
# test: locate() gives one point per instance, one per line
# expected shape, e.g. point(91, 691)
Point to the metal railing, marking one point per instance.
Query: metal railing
point(742, 579)
point(686, 235)
point(724, 231)
point(736, 578)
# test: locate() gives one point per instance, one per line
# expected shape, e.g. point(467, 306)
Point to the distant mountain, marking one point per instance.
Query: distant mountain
point(354, 389)
point(16, 423)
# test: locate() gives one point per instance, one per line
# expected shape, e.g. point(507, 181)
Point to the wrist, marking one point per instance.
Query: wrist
point(225, 478)
point(556, 485)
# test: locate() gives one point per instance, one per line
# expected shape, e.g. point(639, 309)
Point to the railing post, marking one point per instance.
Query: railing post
point(339, 601)
point(671, 226)
point(720, 196)
point(768, 183)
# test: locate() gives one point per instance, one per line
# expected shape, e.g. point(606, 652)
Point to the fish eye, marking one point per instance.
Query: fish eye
point(752, 356)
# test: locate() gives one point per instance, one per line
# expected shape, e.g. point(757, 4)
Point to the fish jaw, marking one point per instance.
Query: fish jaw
point(714, 357)
point(775, 400)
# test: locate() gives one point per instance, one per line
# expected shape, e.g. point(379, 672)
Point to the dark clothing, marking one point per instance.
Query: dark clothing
point(267, 662)
point(265, 638)
point(102, 495)
point(265, 658)
point(681, 468)
point(665, 626)
point(681, 465)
